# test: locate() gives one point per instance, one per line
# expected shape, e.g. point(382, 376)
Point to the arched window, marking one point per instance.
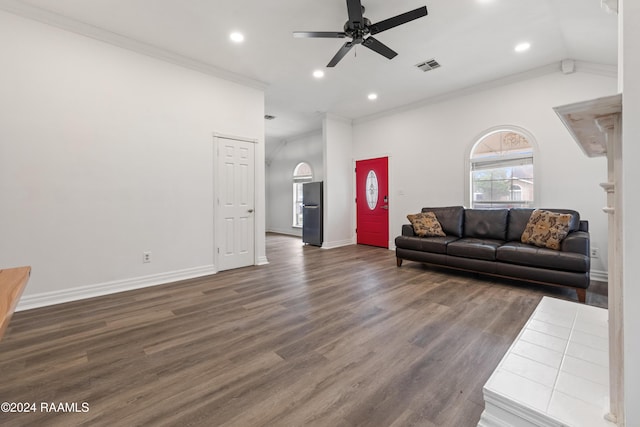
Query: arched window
point(301, 174)
point(501, 170)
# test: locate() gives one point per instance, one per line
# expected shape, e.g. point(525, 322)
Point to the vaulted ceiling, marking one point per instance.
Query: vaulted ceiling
point(473, 40)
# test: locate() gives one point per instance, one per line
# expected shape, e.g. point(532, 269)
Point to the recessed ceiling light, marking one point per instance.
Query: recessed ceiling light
point(372, 96)
point(236, 37)
point(318, 74)
point(522, 47)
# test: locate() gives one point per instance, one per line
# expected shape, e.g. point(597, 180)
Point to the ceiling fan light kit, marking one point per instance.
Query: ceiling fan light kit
point(360, 30)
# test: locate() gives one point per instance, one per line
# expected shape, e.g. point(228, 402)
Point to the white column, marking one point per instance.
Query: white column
point(610, 126)
point(630, 233)
point(338, 182)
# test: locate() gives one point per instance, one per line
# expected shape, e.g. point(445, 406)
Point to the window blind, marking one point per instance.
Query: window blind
point(485, 164)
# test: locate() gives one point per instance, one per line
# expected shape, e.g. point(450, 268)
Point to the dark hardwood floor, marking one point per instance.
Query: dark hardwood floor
point(337, 337)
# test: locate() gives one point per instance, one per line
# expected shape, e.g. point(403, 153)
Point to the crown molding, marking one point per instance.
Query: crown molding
point(35, 13)
point(555, 67)
point(336, 117)
point(597, 69)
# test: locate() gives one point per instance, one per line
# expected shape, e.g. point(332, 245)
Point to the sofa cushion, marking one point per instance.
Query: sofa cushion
point(518, 220)
point(425, 244)
point(486, 223)
point(425, 224)
point(470, 247)
point(451, 219)
point(519, 217)
point(546, 229)
point(524, 254)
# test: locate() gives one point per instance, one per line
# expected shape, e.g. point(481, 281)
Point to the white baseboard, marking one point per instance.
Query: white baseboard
point(599, 276)
point(43, 299)
point(337, 244)
point(286, 231)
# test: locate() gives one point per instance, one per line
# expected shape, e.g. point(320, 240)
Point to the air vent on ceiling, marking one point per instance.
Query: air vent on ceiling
point(428, 65)
point(269, 117)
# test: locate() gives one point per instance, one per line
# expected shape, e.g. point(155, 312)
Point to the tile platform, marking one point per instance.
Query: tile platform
point(556, 373)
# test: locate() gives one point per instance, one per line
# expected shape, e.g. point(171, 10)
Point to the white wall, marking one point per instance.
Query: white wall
point(283, 160)
point(631, 206)
point(339, 203)
point(106, 153)
point(428, 146)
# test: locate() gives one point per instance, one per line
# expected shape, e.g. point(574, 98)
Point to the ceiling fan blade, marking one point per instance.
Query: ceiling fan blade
point(381, 26)
point(379, 47)
point(341, 53)
point(354, 8)
point(319, 34)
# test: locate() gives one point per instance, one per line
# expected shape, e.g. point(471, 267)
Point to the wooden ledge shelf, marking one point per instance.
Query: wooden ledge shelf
point(12, 283)
point(588, 122)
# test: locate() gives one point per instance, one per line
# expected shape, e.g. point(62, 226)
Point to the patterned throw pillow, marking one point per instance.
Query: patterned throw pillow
point(426, 224)
point(546, 229)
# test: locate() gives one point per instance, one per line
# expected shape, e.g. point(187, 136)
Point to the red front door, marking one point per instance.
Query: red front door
point(372, 202)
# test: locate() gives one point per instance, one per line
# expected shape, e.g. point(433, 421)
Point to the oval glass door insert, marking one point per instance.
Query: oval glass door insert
point(372, 190)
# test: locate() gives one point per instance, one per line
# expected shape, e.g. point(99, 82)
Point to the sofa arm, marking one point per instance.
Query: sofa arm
point(577, 242)
point(407, 230)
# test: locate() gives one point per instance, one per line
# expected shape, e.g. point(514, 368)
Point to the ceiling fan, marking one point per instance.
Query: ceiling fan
point(358, 27)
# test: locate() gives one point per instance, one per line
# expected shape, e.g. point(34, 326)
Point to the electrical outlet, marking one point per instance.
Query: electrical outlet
point(595, 253)
point(146, 257)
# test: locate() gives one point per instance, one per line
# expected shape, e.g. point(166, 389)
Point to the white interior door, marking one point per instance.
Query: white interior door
point(235, 231)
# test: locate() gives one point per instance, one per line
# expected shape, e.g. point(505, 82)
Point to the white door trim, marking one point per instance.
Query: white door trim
point(217, 136)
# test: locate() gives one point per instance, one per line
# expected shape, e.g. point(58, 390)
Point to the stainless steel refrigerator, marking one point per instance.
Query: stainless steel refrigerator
point(312, 213)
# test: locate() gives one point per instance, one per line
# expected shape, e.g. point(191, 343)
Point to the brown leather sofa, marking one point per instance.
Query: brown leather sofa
point(487, 241)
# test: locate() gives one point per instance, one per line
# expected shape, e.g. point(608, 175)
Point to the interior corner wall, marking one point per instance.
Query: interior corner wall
point(631, 206)
point(428, 145)
point(105, 154)
point(339, 204)
point(305, 148)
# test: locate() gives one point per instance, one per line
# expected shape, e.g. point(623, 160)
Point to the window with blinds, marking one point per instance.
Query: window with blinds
point(502, 171)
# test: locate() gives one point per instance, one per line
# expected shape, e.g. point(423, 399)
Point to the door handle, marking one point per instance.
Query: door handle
point(250, 211)
point(386, 207)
